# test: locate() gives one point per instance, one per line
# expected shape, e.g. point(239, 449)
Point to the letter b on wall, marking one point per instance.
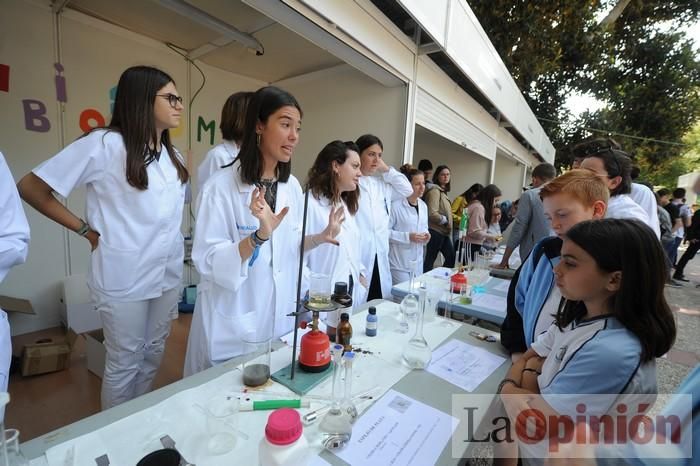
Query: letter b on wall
point(35, 116)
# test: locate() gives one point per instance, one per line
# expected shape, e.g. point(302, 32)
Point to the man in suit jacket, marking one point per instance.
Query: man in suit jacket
point(530, 225)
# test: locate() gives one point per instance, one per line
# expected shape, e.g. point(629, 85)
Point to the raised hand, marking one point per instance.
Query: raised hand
point(269, 221)
point(335, 220)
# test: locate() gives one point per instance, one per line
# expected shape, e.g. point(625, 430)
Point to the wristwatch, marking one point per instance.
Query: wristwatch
point(84, 228)
point(257, 241)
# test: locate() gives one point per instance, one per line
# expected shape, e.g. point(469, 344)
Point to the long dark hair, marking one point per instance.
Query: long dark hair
point(321, 180)
point(470, 194)
point(367, 140)
point(264, 102)
point(233, 115)
point(436, 176)
point(631, 247)
point(134, 119)
point(486, 196)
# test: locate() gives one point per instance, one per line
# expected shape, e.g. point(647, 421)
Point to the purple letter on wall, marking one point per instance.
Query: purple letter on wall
point(34, 119)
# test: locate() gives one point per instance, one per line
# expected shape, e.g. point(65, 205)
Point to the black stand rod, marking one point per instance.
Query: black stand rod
point(301, 271)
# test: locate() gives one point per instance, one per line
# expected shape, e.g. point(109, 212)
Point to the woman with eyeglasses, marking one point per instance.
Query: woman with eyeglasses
point(135, 181)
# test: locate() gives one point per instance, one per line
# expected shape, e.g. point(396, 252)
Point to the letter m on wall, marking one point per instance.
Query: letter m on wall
point(210, 128)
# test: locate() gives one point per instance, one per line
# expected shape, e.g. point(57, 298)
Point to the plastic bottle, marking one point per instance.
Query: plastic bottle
point(344, 334)
point(284, 443)
point(371, 325)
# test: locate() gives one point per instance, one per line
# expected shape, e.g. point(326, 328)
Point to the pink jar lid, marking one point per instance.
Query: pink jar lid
point(283, 426)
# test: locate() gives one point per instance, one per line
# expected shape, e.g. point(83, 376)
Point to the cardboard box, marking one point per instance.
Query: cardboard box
point(47, 355)
point(96, 352)
point(78, 312)
point(23, 306)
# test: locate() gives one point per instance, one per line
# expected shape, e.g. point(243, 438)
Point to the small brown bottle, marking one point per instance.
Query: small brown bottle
point(341, 297)
point(344, 333)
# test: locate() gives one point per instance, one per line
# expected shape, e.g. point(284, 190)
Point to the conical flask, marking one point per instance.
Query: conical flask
point(417, 353)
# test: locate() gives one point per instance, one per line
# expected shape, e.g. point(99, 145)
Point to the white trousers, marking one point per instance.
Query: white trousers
point(5, 356)
point(135, 334)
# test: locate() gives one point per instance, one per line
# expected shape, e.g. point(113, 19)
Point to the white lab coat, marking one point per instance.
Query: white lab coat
point(339, 262)
point(622, 206)
point(14, 246)
point(645, 198)
point(233, 298)
point(405, 220)
point(376, 196)
point(219, 155)
point(140, 252)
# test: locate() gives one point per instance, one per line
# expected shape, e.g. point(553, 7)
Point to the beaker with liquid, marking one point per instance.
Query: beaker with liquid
point(319, 291)
point(256, 368)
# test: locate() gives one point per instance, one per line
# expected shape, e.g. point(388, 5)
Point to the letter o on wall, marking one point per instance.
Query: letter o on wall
point(88, 116)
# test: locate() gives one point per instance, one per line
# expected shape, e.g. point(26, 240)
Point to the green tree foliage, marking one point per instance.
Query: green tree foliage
point(640, 64)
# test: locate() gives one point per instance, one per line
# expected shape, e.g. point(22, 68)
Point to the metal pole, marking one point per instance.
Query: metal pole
point(301, 271)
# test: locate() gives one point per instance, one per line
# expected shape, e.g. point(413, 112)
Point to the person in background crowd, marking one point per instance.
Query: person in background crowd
point(494, 230)
point(232, 130)
point(14, 246)
point(667, 238)
point(459, 207)
point(409, 229)
point(529, 225)
point(135, 182)
point(673, 211)
point(617, 163)
point(479, 210)
point(685, 216)
point(692, 235)
point(643, 194)
point(380, 185)
point(426, 166)
point(614, 167)
point(439, 220)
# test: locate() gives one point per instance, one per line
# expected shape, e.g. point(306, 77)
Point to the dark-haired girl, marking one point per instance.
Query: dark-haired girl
point(232, 128)
point(409, 229)
point(334, 182)
point(379, 186)
point(247, 237)
point(614, 323)
point(135, 183)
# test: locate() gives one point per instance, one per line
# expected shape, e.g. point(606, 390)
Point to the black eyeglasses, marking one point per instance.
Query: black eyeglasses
point(173, 99)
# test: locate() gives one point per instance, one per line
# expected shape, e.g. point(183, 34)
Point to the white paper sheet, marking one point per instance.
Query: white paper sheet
point(399, 430)
point(463, 365)
point(490, 301)
point(440, 272)
point(501, 285)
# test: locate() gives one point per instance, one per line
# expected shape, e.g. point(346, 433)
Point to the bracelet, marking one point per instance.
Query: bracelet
point(529, 369)
point(257, 240)
point(502, 384)
point(84, 228)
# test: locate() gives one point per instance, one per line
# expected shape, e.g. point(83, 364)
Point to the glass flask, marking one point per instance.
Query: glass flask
point(417, 353)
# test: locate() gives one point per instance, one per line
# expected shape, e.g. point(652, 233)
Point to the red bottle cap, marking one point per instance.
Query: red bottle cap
point(283, 427)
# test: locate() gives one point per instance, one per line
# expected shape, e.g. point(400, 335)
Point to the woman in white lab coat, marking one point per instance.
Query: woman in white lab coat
point(247, 237)
point(409, 229)
point(379, 186)
point(333, 182)
point(14, 245)
point(135, 183)
point(232, 127)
